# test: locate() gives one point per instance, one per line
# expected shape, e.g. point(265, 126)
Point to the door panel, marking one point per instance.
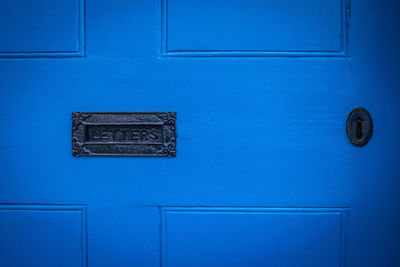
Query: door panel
point(42, 235)
point(42, 28)
point(262, 90)
point(253, 237)
point(255, 28)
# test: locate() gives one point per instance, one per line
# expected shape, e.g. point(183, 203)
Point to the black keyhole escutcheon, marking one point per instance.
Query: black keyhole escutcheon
point(359, 127)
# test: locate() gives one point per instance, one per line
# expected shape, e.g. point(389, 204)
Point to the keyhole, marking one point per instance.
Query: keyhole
point(359, 126)
point(359, 132)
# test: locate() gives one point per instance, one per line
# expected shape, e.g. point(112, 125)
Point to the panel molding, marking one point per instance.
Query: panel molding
point(343, 52)
point(81, 37)
point(54, 208)
point(343, 212)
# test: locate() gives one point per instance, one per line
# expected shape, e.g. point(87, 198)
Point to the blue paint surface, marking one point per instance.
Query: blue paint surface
point(42, 28)
point(275, 27)
point(253, 237)
point(42, 235)
point(262, 90)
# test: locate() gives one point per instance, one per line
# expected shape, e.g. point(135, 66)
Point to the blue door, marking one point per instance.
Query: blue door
point(264, 173)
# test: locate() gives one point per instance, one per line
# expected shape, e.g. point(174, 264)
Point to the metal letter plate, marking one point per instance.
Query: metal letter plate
point(124, 134)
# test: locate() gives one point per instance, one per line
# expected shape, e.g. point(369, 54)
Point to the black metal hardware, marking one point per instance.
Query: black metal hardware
point(124, 134)
point(359, 127)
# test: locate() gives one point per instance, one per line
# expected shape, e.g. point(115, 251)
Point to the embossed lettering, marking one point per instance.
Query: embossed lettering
point(154, 134)
point(124, 133)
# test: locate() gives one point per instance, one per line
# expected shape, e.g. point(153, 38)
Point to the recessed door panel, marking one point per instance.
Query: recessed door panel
point(42, 28)
point(253, 236)
point(255, 28)
point(43, 235)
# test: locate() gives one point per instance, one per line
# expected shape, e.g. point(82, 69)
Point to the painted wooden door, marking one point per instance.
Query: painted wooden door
point(264, 173)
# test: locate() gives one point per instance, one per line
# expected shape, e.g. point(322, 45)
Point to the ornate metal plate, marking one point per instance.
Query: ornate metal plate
point(124, 134)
